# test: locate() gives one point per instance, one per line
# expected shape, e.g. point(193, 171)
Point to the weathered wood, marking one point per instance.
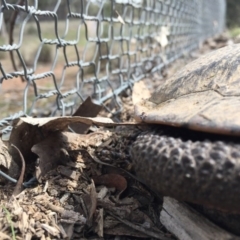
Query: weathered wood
point(187, 224)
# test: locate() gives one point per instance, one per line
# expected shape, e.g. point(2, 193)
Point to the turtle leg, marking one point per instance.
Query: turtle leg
point(202, 172)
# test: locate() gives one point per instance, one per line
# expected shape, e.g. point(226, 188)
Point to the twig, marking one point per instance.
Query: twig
point(18, 187)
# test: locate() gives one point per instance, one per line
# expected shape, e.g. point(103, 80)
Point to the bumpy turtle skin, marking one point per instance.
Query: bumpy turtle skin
point(202, 172)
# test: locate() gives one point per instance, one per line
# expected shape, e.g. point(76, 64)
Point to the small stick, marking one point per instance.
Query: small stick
point(18, 187)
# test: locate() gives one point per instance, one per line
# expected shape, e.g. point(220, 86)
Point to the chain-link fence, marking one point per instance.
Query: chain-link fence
point(53, 54)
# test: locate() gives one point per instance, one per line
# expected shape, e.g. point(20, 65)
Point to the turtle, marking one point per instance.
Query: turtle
point(191, 151)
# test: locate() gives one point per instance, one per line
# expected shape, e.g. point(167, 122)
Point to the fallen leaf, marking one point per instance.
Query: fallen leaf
point(50, 152)
point(57, 147)
point(61, 123)
point(24, 136)
point(86, 109)
point(111, 180)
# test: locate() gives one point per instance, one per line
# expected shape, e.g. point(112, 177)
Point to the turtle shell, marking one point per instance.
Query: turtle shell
point(204, 95)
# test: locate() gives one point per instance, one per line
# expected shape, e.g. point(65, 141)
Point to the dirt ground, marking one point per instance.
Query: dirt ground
point(91, 191)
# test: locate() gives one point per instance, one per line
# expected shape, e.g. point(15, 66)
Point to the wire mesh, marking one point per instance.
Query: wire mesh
point(54, 54)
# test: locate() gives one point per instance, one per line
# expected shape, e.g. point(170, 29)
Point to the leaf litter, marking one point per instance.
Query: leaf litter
point(84, 184)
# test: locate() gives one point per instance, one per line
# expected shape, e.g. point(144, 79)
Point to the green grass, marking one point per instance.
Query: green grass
point(9, 219)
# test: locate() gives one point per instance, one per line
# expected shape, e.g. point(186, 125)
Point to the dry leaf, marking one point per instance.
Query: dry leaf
point(24, 136)
point(61, 123)
point(50, 152)
point(111, 180)
point(86, 109)
point(54, 150)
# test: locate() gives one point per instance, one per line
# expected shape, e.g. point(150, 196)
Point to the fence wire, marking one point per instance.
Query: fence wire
point(54, 54)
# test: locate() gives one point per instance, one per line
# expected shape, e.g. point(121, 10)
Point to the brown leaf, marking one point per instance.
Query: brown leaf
point(24, 136)
point(61, 123)
point(54, 150)
point(111, 180)
point(86, 109)
point(50, 152)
